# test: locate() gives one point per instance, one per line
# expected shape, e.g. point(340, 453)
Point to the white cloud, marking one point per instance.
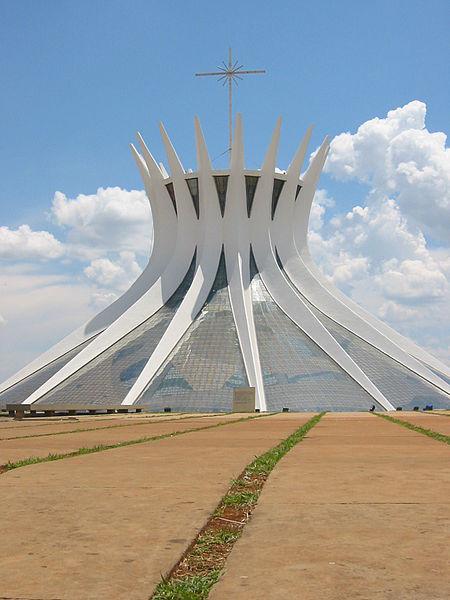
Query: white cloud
point(24, 244)
point(412, 280)
point(39, 309)
point(398, 157)
point(117, 275)
point(112, 219)
point(378, 252)
point(321, 202)
point(375, 243)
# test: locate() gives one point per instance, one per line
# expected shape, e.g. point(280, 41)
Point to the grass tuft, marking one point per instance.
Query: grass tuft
point(240, 499)
point(195, 587)
point(207, 541)
point(440, 437)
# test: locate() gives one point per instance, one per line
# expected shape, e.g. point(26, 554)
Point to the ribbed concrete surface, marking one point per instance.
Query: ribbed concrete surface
point(105, 526)
point(359, 510)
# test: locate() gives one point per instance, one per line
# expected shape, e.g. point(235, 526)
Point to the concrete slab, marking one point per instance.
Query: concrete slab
point(428, 420)
point(359, 509)
point(66, 420)
point(60, 420)
point(105, 526)
point(66, 426)
point(18, 449)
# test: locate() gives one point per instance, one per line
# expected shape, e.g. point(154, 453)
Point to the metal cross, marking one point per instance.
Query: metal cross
point(228, 74)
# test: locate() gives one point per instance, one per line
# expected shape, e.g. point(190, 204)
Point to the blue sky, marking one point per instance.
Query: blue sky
point(79, 78)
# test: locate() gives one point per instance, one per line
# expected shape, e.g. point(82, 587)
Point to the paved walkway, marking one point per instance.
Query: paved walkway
point(427, 421)
point(106, 525)
point(37, 426)
point(29, 421)
point(360, 509)
point(17, 449)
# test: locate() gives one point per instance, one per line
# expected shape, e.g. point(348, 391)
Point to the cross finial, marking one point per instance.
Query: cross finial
point(228, 74)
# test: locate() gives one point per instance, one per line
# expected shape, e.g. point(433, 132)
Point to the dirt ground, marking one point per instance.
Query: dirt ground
point(106, 525)
point(359, 510)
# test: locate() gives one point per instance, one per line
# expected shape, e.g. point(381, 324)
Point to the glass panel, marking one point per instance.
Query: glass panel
point(221, 182)
point(108, 378)
point(207, 364)
point(297, 373)
point(438, 373)
point(277, 187)
point(398, 384)
point(21, 390)
point(171, 191)
point(250, 187)
point(193, 189)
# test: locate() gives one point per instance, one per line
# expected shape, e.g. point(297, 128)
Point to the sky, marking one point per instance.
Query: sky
point(80, 78)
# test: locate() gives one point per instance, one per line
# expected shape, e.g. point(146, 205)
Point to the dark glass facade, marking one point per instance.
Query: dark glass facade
point(193, 189)
point(398, 384)
point(207, 364)
point(107, 379)
point(21, 390)
point(297, 373)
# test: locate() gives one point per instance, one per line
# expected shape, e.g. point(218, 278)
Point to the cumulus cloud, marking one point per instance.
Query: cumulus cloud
point(375, 241)
point(104, 238)
point(112, 219)
point(117, 275)
point(378, 252)
point(372, 255)
point(398, 157)
point(23, 244)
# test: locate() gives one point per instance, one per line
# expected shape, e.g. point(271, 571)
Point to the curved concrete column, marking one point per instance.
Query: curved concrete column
point(164, 219)
point(278, 287)
point(237, 259)
point(326, 298)
point(276, 232)
point(149, 302)
point(208, 255)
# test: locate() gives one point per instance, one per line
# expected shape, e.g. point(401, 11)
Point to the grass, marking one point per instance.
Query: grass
point(240, 499)
point(81, 430)
point(208, 540)
point(195, 587)
point(201, 565)
point(33, 460)
point(440, 437)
